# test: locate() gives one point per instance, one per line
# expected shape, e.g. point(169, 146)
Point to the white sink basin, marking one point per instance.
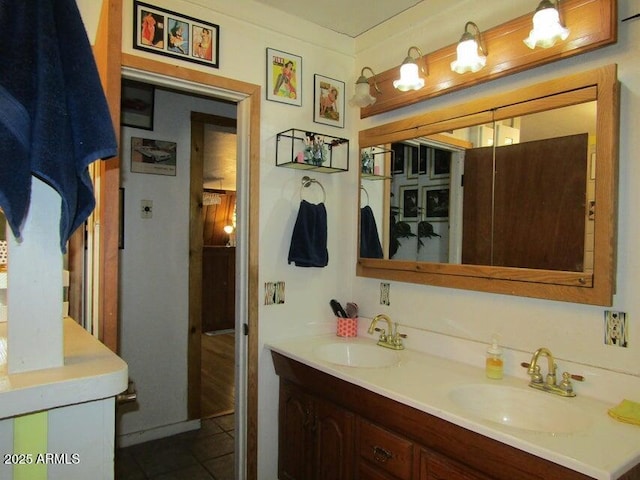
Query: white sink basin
point(357, 355)
point(526, 409)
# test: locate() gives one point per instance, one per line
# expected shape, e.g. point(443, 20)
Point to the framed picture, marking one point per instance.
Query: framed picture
point(136, 108)
point(413, 161)
point(153, 156)
point(175, 35)
point(284, 77)
point(397, 168)
point(328, 101)
point(440, 166)
point(409, 207)
point(435, 201)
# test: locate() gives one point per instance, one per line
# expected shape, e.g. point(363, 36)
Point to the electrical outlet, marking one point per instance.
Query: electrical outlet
point(273, 293)
point(616, 328)
point(385, 289)
point(146, 208)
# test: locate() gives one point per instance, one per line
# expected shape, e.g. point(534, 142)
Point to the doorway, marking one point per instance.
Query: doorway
point(247, 99)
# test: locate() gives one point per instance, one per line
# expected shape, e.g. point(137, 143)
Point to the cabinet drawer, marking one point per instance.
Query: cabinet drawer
point(437, 467)
point(387, 451)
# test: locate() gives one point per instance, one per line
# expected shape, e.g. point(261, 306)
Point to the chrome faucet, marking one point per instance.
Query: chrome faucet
point(390, 338)
point(564, 388)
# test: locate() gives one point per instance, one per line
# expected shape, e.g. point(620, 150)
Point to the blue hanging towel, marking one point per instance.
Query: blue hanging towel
point(309, 240)
point(54, 118)
point(370, 246)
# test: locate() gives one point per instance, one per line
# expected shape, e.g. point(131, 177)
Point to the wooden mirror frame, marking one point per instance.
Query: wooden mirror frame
point(596, 288)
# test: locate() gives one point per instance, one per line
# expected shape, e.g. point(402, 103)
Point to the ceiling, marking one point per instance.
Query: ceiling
point(350, 17)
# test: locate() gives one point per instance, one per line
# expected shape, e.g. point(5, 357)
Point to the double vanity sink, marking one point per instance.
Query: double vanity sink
point(576, 433)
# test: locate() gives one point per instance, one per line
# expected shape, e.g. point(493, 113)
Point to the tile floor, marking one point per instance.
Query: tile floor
point(205, 454)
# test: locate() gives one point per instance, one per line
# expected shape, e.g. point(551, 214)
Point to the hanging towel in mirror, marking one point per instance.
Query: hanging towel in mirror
point(54, 118)
point(309, 240)
point(370, 246)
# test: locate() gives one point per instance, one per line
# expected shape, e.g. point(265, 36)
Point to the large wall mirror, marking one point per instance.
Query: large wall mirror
point(510, 194)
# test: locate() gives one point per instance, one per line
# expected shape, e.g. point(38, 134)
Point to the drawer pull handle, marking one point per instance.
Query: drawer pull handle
point(381, 455)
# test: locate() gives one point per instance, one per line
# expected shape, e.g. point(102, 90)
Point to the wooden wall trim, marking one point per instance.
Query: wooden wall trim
point(107, 53)
point(593, 24)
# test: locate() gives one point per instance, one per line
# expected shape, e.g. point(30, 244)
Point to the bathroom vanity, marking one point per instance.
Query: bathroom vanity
point(401, 422)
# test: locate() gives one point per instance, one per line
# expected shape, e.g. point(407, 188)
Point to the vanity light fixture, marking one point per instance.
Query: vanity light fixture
point(547, 26)
point(362, 97)
point(472, 55)
point(410, 78)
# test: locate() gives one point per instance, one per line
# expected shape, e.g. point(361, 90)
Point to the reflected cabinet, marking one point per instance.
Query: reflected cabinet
point(510, 194)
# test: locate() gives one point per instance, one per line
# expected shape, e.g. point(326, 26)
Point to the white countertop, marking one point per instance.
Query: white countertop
point(91, 371)
point(604, 450)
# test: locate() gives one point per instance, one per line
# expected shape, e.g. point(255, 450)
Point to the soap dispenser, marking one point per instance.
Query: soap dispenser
point(494, 364)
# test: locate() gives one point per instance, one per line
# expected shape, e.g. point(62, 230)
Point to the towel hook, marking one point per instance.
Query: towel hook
point(306, 183)
point(366, 193)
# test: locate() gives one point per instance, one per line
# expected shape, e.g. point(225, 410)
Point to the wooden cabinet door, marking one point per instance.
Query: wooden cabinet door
point(333, 432)
point(438, 467)
point(218, 288)
point(294, 440)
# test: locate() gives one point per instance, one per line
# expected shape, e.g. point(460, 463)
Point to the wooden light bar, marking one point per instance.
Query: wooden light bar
point(593, 24)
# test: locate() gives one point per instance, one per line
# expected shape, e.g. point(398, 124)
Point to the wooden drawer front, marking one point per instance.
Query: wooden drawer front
point(386, 450)
point(436, 467)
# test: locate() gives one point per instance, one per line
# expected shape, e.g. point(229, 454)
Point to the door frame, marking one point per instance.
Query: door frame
point(248, 98)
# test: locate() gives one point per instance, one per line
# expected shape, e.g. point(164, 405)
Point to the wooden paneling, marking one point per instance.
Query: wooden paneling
point(216, 216)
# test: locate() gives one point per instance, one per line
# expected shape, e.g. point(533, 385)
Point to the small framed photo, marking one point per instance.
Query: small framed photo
point(284, 77)
point(435, 201)
point(136, 105)
point(153, 156)
point(413, 161)
point(175, 35)
point(409, 207)
point(440, 166)
point(328, 101)
point(397, 168)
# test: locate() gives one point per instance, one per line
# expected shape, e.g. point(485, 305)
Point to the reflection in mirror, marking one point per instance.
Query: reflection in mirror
point(515, 192)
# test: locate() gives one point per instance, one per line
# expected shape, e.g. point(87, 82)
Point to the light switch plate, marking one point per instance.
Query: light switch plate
point(616, 328)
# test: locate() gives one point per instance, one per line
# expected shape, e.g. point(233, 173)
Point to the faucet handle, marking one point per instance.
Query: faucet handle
point(536, 376)
point(565, 384)
point(383, 334)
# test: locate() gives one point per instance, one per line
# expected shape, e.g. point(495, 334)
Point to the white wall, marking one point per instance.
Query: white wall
point(153, 326)
point(571, 331)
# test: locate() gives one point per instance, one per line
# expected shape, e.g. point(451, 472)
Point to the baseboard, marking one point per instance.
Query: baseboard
point(128, 439)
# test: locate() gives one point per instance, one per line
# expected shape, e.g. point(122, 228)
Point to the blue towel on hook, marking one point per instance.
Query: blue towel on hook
point(309, 239)
point(54, 118)
point(370, 246)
